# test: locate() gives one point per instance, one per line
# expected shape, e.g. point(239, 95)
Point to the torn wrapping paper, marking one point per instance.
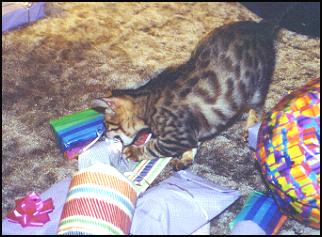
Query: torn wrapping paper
point(252, 136)
point(105, 151)
point(180, 204)
point(109, 151)
point(58, 193)
point(263, 212)
point(146, 171)
point(203, 230)
point(100, 201)
point(75, 131)
point(15, 14)
point(74, 152)
point(247, 228)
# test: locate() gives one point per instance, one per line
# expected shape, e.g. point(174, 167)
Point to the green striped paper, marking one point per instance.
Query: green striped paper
point(75, 129)
point(146, 171)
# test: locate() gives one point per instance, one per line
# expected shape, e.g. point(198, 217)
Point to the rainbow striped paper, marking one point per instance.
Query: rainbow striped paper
point(263, 211)
point(100, 201)
point(76, 130)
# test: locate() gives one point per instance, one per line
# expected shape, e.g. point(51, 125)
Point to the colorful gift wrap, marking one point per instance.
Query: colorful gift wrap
point(100, 200)
point(109, 151)
point(288, 152)
point(262, 210)
point(146, 171)
point(73, 152)
point(75, 131)
point(142, 173)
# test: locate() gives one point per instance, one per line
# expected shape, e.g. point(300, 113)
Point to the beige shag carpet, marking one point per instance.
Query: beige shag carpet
point(55, 66)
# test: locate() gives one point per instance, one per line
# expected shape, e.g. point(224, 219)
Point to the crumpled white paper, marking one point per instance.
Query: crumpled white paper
point(106, 151)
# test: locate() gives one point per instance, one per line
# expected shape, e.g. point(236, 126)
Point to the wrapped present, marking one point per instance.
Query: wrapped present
point(260, 214)
point(75, 131)
point(288, 153)
point(16, 14)
point(107, 200)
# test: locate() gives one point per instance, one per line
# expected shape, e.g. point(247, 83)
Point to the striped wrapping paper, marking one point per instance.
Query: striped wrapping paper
point(146, 172)
point(77, 130)
point(263, 211)
point(100, 201)
point(109, 151)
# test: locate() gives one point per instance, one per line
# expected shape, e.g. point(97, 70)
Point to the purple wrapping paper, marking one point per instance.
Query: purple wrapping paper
point(180, 205)
point(252, 135)
point(247, 228)
point(178, 194)
point(21, 15)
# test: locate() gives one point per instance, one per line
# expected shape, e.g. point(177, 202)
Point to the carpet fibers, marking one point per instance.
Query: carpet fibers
point(56, 65)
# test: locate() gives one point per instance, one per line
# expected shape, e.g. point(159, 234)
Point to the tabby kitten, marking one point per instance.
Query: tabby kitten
point(228, 72)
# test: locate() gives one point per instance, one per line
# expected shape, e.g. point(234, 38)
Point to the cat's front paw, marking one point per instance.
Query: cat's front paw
point(133, 153)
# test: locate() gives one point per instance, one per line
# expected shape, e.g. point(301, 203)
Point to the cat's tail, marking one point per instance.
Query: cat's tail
point(274, 25)
point(130, 92)
point(167, 76)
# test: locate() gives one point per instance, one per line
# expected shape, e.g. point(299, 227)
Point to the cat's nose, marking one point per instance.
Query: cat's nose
point(111, 136)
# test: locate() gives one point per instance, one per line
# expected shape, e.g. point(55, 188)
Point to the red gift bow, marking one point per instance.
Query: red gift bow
point(31, 211)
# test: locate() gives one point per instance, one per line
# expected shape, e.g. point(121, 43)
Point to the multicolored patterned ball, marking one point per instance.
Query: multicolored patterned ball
point(288, 151)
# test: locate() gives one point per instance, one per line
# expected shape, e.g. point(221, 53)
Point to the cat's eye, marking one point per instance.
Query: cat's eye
point(100, 109)
point(117, 138)
point(112, 127)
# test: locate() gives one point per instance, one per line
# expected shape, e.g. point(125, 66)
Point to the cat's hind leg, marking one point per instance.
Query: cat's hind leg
point(186, 160)
point(254, 116)
point(252, 119)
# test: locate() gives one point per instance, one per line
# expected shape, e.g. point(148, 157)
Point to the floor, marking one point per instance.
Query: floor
point(55, 66)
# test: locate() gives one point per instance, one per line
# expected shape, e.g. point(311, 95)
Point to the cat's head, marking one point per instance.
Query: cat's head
point(121, 117)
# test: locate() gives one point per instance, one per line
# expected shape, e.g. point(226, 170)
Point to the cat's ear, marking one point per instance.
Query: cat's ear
point(108, 94)
point(105, 105)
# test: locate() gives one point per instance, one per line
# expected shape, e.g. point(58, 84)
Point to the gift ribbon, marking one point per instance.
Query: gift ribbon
point(98, 134)
point(31, 211)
